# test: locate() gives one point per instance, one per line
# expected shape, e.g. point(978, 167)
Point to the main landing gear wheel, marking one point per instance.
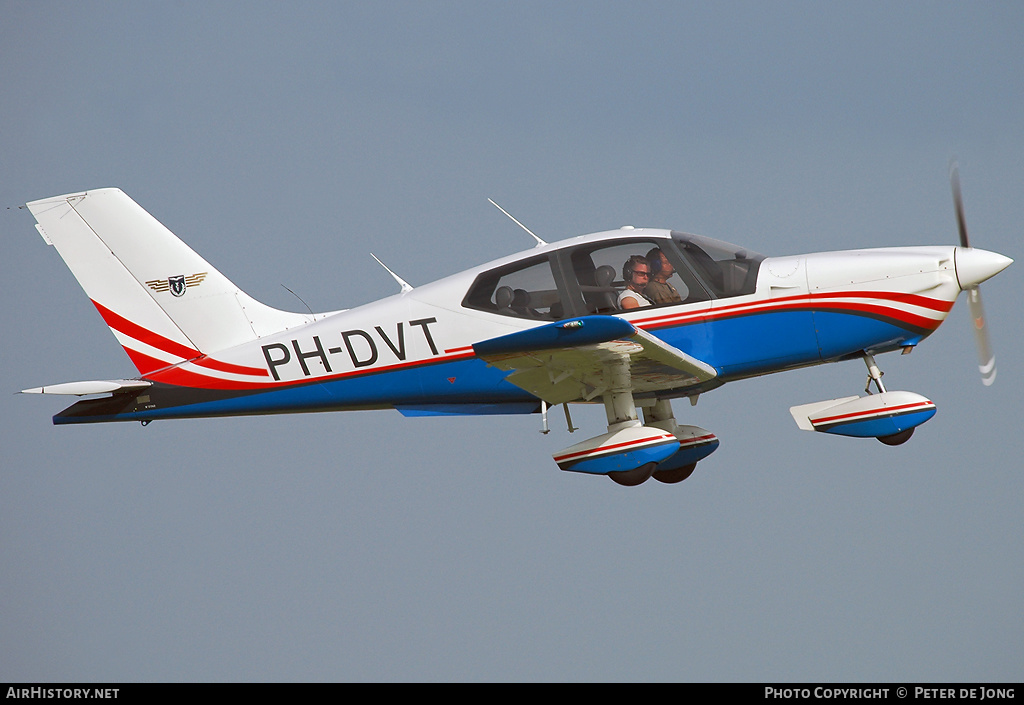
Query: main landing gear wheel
point(670, 477)
point(897, 438)
point(634, 477)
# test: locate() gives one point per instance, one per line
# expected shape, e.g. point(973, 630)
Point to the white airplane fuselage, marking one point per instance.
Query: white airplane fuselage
point(414, 351)
point(630, 318)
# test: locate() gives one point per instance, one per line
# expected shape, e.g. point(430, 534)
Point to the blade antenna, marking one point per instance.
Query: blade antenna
point(300, 299)
point(540, 243)
point(401, 282)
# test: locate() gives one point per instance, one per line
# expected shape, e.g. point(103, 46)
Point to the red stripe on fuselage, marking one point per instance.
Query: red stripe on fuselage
point(186, 378)
point(144, 363)
point(819, 301)
point(154, 340)
point(212, 364)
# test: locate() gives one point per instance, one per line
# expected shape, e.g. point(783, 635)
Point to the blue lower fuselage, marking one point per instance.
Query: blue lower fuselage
point(737, 347)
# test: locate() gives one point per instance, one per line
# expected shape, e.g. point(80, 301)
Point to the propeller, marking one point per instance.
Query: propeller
point(986, 358)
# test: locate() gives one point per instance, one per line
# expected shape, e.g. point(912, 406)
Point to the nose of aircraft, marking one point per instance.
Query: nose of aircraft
point(973, 266)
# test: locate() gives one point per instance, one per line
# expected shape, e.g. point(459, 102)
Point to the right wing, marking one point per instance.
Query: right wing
point(569, 360)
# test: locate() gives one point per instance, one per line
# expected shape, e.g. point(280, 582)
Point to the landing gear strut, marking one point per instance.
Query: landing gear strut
point(875, 375)
point(632, 452)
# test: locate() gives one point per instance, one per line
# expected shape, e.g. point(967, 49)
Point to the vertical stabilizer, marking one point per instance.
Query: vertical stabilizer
point(163, 302)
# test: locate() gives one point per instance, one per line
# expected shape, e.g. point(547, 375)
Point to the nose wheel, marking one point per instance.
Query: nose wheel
point(897, 439)
point(875, 375)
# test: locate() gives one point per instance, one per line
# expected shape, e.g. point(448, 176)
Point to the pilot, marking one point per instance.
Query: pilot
point(635, 272)
point(658, 290)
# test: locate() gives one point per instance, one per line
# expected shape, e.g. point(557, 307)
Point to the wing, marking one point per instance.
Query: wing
point(569, 360)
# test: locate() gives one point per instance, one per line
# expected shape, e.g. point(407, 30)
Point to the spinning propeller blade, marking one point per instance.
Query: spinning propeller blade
point(986, 358)
point(958, 204)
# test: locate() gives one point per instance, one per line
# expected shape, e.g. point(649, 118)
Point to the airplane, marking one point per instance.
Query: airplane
point(564, 323)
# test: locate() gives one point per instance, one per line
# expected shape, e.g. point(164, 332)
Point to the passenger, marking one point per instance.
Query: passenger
point(635, 272)
point(658, 290)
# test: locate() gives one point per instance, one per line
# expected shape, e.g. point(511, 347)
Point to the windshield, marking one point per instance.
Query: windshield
point(727, 270)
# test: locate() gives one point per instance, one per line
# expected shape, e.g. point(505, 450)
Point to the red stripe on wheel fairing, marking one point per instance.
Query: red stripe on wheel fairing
point(882, 411)
point(616, 446)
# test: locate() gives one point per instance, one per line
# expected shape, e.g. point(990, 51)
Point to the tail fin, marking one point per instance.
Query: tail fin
point(163, 302)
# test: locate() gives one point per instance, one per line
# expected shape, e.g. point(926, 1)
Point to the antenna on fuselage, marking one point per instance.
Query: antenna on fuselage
point(300, 299)
point(539, 241)
point(401, 282)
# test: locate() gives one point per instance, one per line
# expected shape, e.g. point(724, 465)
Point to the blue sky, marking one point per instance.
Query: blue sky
point(286, 142)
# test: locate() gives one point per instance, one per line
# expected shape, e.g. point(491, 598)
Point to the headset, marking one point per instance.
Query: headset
point(654, 261)
point(630, 265)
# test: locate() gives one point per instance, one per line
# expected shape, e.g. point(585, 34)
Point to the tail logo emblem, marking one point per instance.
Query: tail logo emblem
point(177, 284)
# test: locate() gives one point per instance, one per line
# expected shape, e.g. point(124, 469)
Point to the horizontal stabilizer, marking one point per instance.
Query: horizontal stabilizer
point(97, 386)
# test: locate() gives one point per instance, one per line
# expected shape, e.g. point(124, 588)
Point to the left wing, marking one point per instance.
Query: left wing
point(570, 360)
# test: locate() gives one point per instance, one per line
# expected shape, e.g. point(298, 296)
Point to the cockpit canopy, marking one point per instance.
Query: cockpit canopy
point(588, 277)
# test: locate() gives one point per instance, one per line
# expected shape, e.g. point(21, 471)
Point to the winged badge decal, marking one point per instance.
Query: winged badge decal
point(177, 284)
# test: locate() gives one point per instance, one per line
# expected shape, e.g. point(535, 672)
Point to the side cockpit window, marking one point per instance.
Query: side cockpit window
point(523, 290)
point(610, 276)
point(649, 272)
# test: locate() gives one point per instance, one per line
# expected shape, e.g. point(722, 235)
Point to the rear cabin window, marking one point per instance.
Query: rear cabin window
point(521, 290)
